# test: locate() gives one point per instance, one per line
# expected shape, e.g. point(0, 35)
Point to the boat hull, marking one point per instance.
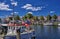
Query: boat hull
point(22, 36)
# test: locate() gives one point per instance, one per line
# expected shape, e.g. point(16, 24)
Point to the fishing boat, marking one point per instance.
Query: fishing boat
point(10, 31)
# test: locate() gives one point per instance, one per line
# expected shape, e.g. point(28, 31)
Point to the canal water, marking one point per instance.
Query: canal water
point(45, 32)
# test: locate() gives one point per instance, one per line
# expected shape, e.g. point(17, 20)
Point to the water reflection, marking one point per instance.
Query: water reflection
point(47, 32)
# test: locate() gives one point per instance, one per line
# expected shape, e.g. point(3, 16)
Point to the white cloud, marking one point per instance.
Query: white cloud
point(14, 3)
point(11, 0)
point(52, 11)
point(30, 7)
point(34, 8)
point(14, 13)
point(3, 6)
point(30, 12)
point(27, 5)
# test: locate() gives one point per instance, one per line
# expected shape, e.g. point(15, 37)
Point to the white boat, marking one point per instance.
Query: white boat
point(48, 24)
point(11, 30)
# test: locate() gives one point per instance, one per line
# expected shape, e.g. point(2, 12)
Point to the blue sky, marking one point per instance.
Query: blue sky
point(37, 7)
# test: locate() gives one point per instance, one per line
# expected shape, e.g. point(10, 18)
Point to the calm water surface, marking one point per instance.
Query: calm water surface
point(47, 32)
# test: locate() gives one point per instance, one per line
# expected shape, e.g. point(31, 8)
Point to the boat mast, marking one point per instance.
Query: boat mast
point(13, 12)
point(17, 31)
point(13, 3)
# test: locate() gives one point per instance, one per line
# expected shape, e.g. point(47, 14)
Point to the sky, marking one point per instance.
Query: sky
point(36, 7)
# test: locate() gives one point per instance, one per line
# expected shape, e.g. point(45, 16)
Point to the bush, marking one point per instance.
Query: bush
point(55, 23)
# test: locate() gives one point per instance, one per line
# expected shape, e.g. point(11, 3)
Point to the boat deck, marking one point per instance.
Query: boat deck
point(23, 35)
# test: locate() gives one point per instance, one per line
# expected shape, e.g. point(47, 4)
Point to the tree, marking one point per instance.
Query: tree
point(54, 17)
point(24, 18)
point(42, 18)
point(29, 15)
point(10, 18)
point(48, 17)
point(35, 18)
point(17, 17)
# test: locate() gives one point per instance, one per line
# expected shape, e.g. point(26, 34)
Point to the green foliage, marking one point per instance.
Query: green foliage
point(54, 16)
point(48, 17)
point(41, 18)
point(29, 15)
point(24, 18)
point(55, 23)
point(35, 18)
point(17, 17)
